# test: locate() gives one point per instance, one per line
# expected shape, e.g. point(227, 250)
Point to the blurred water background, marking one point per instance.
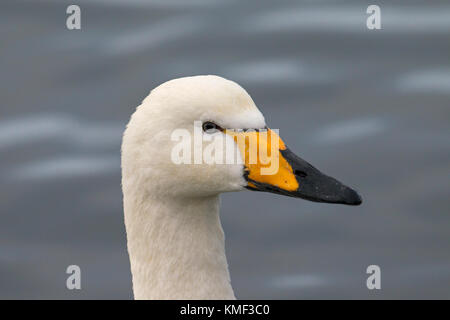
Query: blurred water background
point(368, 107)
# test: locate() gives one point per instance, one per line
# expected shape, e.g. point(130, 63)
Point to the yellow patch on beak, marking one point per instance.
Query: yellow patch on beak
point(263, 160)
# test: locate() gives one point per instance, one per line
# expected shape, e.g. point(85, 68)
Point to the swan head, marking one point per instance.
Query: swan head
point(203, 135)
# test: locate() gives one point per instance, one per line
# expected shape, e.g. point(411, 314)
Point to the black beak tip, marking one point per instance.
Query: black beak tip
point(352, 198)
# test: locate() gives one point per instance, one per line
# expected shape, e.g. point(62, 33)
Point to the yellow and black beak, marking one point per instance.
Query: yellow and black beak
point(270, 166)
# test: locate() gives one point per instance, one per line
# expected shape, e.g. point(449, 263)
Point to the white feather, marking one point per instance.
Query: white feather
point(175, 238)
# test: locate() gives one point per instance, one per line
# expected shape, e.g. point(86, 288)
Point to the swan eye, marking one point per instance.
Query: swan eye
point(210, 127)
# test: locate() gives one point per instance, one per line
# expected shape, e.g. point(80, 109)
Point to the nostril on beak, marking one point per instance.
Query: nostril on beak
point(300, 173)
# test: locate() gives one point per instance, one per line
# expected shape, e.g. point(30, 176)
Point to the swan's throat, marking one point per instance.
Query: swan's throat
point(176, 248)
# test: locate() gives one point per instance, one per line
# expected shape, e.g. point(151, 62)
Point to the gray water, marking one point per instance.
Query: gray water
point(370, 107)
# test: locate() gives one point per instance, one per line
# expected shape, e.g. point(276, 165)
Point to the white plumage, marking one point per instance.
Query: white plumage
point(175, 238)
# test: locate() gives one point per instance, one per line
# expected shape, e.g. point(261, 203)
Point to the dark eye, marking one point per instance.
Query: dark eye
point(210, 127)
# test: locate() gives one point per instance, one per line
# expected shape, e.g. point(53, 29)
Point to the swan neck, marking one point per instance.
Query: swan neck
point(177, 248)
